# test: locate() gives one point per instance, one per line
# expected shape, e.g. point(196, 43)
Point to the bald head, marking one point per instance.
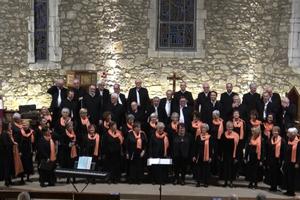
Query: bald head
point(76, 83)
point(205, 87)
point(138, 83)
point(252, 87)
point(60, 83)
point(229, 87)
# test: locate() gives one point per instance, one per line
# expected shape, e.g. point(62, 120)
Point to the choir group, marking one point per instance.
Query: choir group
point(209, 138)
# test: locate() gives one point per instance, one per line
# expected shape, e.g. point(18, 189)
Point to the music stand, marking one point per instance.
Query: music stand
point(84, 163)
point(159, 162)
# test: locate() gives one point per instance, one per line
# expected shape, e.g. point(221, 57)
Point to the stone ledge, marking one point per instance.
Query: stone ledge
point(44, 66)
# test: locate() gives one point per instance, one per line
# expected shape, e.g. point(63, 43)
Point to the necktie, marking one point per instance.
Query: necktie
point(59, 98)
point(138, 98)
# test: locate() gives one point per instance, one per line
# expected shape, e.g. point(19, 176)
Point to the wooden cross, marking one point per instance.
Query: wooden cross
point(174, 78)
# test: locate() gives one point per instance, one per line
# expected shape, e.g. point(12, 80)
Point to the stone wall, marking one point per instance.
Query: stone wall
point(245, 41)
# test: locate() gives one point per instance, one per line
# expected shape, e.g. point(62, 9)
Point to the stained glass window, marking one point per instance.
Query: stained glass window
point(176, 24)
point(41, 29)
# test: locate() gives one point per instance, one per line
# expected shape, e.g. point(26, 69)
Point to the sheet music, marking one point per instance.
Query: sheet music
point(159, 161)
point(84, 162)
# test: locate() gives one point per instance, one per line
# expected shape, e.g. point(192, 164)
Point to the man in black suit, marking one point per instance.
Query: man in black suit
point(79, 92)
point(183, 93)
point(158, 110)
point(251, 100)
point(92, 104)
point(212, 105)
point(167, 106)
point(226, 102)
point(121, 97)
point(185, 113)
point(104, 97)
point(266, 107)
point(139, 95)
point(203, 99)
point(71, 104)
point(116, 110)
point(288, 114)
point(276, 101)
point(58, 94)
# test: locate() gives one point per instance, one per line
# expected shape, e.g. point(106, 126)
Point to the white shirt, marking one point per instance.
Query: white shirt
point(59, 97)
point(265, 110)
point(168, 107)
point(138, 101)
point(119, 100)
point(156, 110)
point(181, 116)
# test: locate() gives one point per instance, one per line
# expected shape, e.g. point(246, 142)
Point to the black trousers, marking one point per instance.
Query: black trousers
point(228, 169)
point(114, 166)
point(136, 171)
point(203, 170)
point(253, 171)
point(180, 166)
point(274, 174)
point(290, 177)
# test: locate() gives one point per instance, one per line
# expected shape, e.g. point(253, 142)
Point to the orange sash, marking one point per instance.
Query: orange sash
point(166, 141)
point(268, 129)
point(52, 148)
point(205, 138)
point(277, 144)
point(196, 124)
point(48, 118)
point(97, 142)
point(20, 126)
point(27, 135)
point(239, 123)
point(106, 124)
point(138, 138)
point(174, 126)
point(233, 135)
point(129, 126)
point(17, 160)
point(72, 136)
point(257, 143)
point(63, 121)
point(255, 123)
point(85, 121)
point(153, 125)
point(219, 122)
point(294, 144)
point(117, 134)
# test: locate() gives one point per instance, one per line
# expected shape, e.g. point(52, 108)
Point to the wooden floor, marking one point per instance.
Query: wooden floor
point(169, 191)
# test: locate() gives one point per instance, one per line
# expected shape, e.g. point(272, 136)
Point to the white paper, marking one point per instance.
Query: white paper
point(84, 162)
point(159, 161)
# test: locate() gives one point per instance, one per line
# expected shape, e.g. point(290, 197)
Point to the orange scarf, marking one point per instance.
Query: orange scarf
point(174, 126)
point(153, 125)
point(72, 136)
point(268, 129)
point(106, 124)
point(257, 143)
point(63, 121)
point(138, 138)
point(233, 135)
point(116, 134)
point(205, 138)
point(97, 142)
point(129, 126)
point(219, 122)
point(239, 123)
point(255, 123)
point(52, 148)
point(277, 144)
point(294, 144)
point(196, 124)
point(85, 121)
point(27, 135)
point(20, 126)
point(166, 141)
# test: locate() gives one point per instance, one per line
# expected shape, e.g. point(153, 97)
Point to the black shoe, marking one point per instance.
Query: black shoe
point(51, 184)
point(289, 194)
point(6, 184)
point(250, 185)
point(175, 182)
point(42, 184)
point(205, 185)
point(273, 189)
point(255, 186)
point(198, 184)
point(230, 185)
point(225, 185)
point(182, 183)
point(22, 182)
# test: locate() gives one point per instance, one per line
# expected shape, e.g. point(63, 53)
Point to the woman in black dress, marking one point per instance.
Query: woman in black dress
point(113, 150)
point(158, 148)
point(181, 148)
point(135, 151)
point(7, 153)
point(255, 156)
point(150, 127)
point(203, 154)
point(26, 148)
point(82, 127)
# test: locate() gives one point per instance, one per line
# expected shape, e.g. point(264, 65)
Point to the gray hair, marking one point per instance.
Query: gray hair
point(175, 114)
point(130, 117)
point(293, 131)
point(65, 110)
point(114, 95)
point(160, 125)
point(261, 197)
point(252, 85)
point(16, 116)
point(216, 113)
point(153, 115)
point(206, 126)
